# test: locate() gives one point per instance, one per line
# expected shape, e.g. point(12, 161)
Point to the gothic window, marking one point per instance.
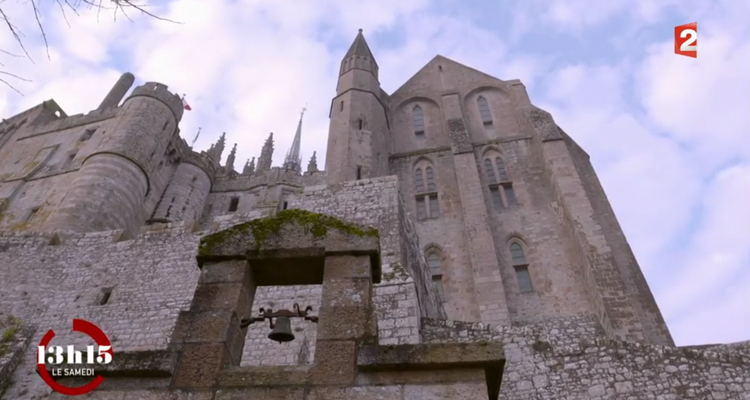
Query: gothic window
point(418, 122)
point(484, 113)
point(501, 187)
point(521, 266)
point(428, 205)
point(433, 262)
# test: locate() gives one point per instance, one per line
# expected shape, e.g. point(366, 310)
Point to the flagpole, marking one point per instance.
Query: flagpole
point(196, 137)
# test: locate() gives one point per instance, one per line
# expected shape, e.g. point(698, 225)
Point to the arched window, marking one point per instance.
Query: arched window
point(418, 122)
point(418, 180)
point(484, 112)
point(428, 205)
point(501, 187)
point(521, 266)
point(433, 262)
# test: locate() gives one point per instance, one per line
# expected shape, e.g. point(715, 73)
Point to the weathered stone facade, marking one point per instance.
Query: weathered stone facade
point(457, 246)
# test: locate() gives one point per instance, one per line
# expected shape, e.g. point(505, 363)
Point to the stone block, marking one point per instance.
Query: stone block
point(454, 391)
point(199, 365)
point(281, 393)
point(346, 293)
point(335, 363)
point(347, 323)
point(204, 326)
point(265, 376)
point(419, 356)
point(392, 392)
point(347, 267)
point(232, 271)
point(222, 296)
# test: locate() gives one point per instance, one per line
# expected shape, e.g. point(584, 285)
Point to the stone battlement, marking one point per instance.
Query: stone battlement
point(160, 92)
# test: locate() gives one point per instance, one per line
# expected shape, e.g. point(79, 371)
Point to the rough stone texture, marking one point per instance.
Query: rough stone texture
point(102, 215)
point(568, 358)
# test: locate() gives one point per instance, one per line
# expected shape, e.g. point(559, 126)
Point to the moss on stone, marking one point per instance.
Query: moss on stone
point(263, 228)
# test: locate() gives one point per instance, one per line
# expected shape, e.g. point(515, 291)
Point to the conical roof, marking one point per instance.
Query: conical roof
point(360, 48)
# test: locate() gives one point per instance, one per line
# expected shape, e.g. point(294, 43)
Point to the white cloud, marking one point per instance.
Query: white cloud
point(703, 102)
point(715, 266)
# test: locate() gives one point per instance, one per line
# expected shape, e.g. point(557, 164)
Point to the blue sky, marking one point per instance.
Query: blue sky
point(668, 135)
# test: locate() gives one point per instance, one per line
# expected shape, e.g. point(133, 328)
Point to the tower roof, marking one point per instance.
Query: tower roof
point(293, 159)
point(360, 48)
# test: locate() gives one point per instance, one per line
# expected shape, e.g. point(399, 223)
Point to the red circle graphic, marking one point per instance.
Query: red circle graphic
point(100, 338)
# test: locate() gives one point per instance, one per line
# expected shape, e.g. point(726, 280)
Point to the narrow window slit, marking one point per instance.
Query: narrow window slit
point(233, 204)
point(105, 295)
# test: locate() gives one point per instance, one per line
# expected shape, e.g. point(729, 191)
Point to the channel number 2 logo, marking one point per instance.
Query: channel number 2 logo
point(686, 40)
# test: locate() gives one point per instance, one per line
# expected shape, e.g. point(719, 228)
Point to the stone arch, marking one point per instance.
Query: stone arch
point(489, 149)
point(496, 119)
point(504, 93)
point(515, 237)
point(421, 161)
point(417, 99)
point(432, 246)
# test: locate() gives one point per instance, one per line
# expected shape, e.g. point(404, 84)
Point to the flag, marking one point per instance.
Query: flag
point(185, 103)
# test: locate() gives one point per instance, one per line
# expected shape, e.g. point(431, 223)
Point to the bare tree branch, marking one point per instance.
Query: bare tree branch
point(113, 6)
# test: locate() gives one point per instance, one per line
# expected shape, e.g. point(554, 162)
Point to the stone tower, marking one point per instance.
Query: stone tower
point(132, 150)
point(359, 133)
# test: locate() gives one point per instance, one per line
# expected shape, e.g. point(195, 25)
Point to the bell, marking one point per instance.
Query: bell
point(282, 330)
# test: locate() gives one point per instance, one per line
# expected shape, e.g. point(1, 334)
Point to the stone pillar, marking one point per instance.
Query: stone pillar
point(346, 319)
point(208, 337)
point(489, 290)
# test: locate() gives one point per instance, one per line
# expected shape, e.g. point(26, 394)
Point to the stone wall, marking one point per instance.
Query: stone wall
point(50, 279)
point(569, 358)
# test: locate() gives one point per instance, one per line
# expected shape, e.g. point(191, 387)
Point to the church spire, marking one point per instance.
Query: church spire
point(359, 57)
point(266, 155)
point(360, 48)
point(293, 160)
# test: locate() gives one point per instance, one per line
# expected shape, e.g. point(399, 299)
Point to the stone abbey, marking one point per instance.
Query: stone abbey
point(457, 244)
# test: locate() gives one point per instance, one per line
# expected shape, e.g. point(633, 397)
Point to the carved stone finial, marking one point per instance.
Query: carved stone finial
point(249, 167)
point(230, 158)
point(312, 166)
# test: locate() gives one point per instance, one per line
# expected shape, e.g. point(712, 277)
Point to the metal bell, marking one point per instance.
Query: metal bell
point(282, 330)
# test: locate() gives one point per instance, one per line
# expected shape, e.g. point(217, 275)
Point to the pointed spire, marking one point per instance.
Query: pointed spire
point(249, 167)
point(230, 158)
point(293, 160)
point(312, 166)
point(360, 48)
point(218, 149)
point(266, 155)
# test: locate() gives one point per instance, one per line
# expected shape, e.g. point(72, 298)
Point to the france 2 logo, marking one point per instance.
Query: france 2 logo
point(77, 363)
point(686, 40)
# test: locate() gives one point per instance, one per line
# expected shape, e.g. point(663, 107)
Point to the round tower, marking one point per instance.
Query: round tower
point(184, 198)
point(110, 188)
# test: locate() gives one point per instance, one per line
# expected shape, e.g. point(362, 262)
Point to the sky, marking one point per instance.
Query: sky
point(669, 136)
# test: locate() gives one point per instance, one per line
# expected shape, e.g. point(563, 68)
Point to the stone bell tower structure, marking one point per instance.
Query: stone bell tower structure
point(359, 133)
